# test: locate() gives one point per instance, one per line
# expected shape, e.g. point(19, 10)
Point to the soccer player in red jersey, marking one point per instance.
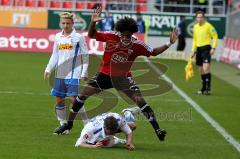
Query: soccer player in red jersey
point(120, 52)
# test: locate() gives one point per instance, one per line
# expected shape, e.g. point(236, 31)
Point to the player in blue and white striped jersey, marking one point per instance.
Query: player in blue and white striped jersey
point(69, 59)
point(100, 130)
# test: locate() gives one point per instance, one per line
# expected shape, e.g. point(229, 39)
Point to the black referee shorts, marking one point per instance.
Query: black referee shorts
point(103, 81)
point(203, 55)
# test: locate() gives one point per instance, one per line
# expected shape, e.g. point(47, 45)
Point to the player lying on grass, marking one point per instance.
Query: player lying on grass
point(120, 52)
point(99, 132)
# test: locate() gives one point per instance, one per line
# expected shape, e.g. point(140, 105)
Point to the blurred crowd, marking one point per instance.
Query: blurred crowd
point(180, 6)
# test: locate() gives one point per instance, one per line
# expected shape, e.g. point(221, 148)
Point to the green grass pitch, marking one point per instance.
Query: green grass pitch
point(27, 117)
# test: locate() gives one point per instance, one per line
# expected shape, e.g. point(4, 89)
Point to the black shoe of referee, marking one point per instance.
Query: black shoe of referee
point(203, 92)
point(63, 129)
point(200, 92)
point(207, 92)
point(161, 134)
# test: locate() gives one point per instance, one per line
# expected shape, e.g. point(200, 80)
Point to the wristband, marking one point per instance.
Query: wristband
point(168, 44)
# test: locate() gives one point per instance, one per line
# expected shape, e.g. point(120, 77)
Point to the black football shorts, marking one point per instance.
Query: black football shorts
point(203, 55)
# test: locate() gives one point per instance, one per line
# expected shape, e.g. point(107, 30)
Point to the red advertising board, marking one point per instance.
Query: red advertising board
point(231, 51)
point(38, 40)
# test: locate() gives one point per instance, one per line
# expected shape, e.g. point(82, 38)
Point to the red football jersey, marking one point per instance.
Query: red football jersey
point(118, 58)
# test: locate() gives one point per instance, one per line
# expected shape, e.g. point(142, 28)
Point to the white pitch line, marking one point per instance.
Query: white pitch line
point(198, 108)
point(109, 97)
point(24, 93)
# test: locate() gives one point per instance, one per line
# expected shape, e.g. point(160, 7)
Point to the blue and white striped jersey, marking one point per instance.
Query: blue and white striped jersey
point(69, 56)
point(93, 131)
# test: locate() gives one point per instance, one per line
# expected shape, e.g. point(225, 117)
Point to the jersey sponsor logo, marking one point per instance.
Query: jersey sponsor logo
point(130, 51)
point(65, 46)
point(119, 58)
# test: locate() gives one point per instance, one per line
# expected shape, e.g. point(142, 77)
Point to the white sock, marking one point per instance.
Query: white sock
point(129, 116)
point(119, 141)
point(83, 115)
point(61, 114)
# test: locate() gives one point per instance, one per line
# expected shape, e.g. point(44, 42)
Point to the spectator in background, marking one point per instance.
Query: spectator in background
point(184, 6)
point(140, 23)
point(181, 27)
point(107, 24)
point(120, 5)
point(170, 5)
point(158, 4)
point(202, 5)
point(126, 5)
point(218, 7)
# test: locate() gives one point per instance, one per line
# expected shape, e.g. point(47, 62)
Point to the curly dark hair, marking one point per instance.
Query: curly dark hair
point(111, 123)
point(127, 24)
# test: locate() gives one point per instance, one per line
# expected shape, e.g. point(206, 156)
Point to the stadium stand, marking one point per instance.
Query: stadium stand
point(41, 3)
point(67, 4)
point(141, 6)
point(55, 4)
point(5, 2)
point(151, 6)
point(18, 3)
point(30, 3)
point(80, 5)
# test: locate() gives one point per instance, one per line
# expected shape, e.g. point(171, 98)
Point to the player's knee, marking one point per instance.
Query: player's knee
point(134, 127)
point(60, 101)
point(207, 70)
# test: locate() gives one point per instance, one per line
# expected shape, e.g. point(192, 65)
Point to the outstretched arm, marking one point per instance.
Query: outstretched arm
point(95, 18)
point(161, 49)
point(97, 145)
point(129, 144)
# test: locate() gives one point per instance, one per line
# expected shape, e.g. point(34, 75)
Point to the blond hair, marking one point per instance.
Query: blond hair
point(66, 15)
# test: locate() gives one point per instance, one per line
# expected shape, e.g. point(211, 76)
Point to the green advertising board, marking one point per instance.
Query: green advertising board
point(158, 24)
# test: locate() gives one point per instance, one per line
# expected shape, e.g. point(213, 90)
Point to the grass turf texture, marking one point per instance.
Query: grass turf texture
point(27, 117)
